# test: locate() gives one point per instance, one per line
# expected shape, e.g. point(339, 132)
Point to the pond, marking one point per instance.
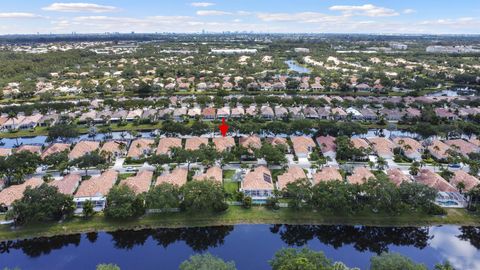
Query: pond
point(250, 246)
point(294, 66)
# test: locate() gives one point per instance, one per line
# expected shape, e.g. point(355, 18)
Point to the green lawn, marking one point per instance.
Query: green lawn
point(231, 187)
point(228, 175)
point(237, 215)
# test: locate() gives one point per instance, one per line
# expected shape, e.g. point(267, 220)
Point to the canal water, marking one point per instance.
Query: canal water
point(250, 246)
point(294, 66)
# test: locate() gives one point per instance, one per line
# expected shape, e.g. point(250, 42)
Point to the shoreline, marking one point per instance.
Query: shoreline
point(235, 216)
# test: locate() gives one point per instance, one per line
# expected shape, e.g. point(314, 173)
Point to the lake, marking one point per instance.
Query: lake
point(250, 246)
point(294, 66)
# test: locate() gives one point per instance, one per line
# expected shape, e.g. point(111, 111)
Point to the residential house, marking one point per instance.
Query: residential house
point(251, 142)
point(140, 183)
point(68, 184)
point(178, 113)
point(208, 113)
point(223, 112)
point(302, 146)
point(433, 180)
point(30, 122)
point(194, 143)
point(176, 177)
point(469, 181)
point(293, 174)
point(397, 176)
point(140, 148)
point(382, 146)
point(114, 148)
point(13, 123)
point(15, 192)
point(34, 149)
point(411, 148)
point(445, 114)
point(95, 190)
point(360, 143)
point(267, 112)
point(223, 143)
point(258, 184)
point(462, 146)
point(354, 113)
point(438, 149)
point(118, 116)
point(338, 113)
point(368, 114)
point(310, 113)
point(281, 112)
point(327, 174)
point(4, 152)
point(214, 173)
point(295, 112)
point(360, 176)
point(237, 112)
point(252, 110)
point(49, 120)
point(82, 148)
point(327, 146)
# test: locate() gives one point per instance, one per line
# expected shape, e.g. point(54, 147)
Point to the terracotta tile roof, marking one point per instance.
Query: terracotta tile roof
point(415, 146)
point(463, 146)
point(208, 112)
point(113, 147)
point(382, 146)
point(327, 144)
point(468, 180)
point(139, 147)
point(359, 143)
point(5, 152)
point(327, 174)
point(360, 176)
point(223, 143)
point(68, 184)
point(165, 144)
point(258, 179)
point(35, 149)
point(397, 176)
point(431, 179)
point(439, 153)
point(475, 141)
point(12, 193)
point(176, 177)
point(302, 144)
point(139, 183)
point(98, 185)
point(294, 173)
point(194, 143)
point(252, 142)
point(277, 141)
point(213, 173)
point(82, 148)
point(55, 148)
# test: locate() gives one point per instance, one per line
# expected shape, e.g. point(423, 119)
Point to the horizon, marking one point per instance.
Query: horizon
point(263, 17)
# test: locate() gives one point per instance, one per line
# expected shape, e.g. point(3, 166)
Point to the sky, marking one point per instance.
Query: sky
point(259, 16)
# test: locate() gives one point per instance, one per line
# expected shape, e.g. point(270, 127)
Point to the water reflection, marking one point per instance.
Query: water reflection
point(40, 246)
point(363, 238)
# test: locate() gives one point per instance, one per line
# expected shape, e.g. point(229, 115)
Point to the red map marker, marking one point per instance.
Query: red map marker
point(223, 128)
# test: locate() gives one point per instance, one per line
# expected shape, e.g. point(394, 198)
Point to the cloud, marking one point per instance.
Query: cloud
point(302, 17)
point(202, 4)
point(409, 11)
point(212, 13)
point(368, 10)
point(19, 15)
point(80, 7)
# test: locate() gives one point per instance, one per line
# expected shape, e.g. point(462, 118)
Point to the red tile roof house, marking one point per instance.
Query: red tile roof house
point(165, 145)
point(281, 112)
point(327, 146)
point(194, 143)
point(114, 148)
point(438, 149)
point(34, 149)
point(397, 176)
point(431, 179)
point(214, 173)
point(258, 184)
point(267, 112)
point(293, 174)
point(445, 114)
point(462, 146)
point(302, 146)
point(237, 112)
point(140, 148)
point(139, 183)
point(382, 146)
point(360, 176)
point(251, 142)
point(278, 141)
point(68, 184)
point(12, 193)
point(193, 112)
point(4, 152)
point(55, 148)
point(338, 113)
point(223, 143)
point(96, 190)
point(177, 177)
point(412, 149)
point(327, 174)
point(360, 143)
point(469, 181)
point(208, 113)
point(223, 112)
point(82, 148)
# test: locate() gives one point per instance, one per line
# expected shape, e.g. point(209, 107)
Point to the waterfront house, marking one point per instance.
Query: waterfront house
point(258, 184)
point(114, 148)
point(208, 113)
point(383, 147)
point(327, 146)
point(194, 112)
point(34, 149)
point(82, 148)
point(30, 122)
point(223, 143)
point(462, 146)
point(95, 190)
point(194, 143)
point(165, 145)
point(267, 112)
point(140, 148)
point(360, 176)
point(310, 113)
point(302, 146)
point(438, 149)
point(223, 112)
point(68, 184)
point(411, 148)
point(176, 177)
point(327, 174)
point(237, 112)
point(324, 113)
point(293, 174)
point(251, 142)
point(281, 112)
point(214, 173)
point(433, 180)
point(15, 192)
point(139, 183)
point(469, 181)
point(397, 176)
point(338, 113)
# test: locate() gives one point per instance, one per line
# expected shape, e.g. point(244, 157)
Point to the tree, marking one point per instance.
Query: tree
point(394, 261)
point(414, 168)
point(93, 159)
point(16, 166)
point(163, 196)
point(303, 259)
point(381, 163)
point(88, 210)
point(62, 131)
point(203, 195)
point(206, 262)
point(247, 202)
point(299, 193)
point(57, 160)
point(41, 204)
point(272, 154)
point(444, 266)
point(107, 267)
point(123, 203)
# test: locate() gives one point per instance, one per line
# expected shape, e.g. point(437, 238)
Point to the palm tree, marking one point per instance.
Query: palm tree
point(12, 116)
point(461, 187)
point(381, 163)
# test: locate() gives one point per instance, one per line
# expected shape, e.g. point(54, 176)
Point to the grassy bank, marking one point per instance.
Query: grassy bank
point(236, 215)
